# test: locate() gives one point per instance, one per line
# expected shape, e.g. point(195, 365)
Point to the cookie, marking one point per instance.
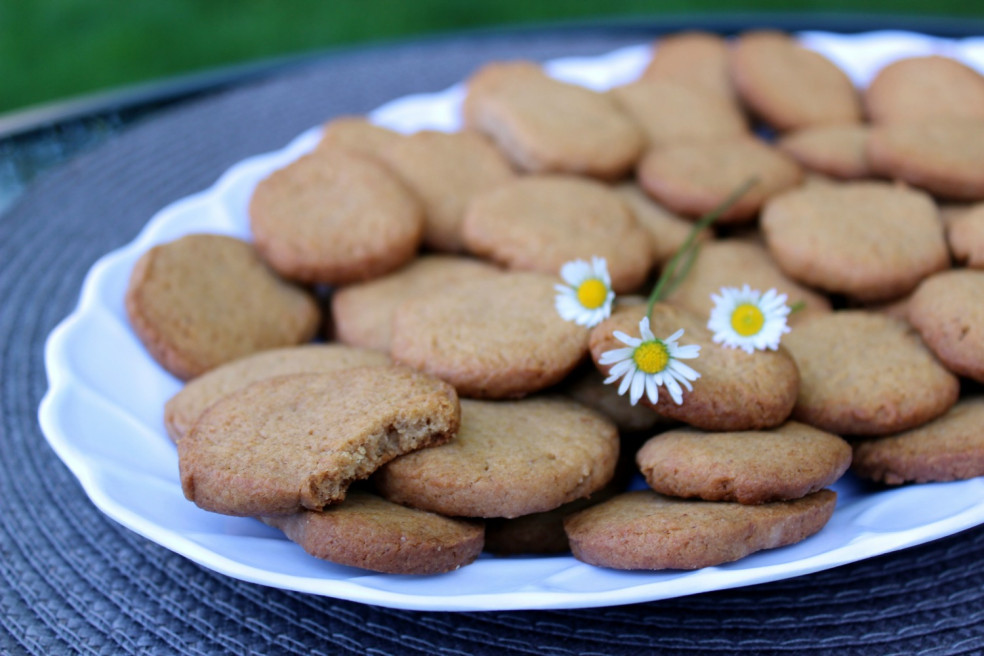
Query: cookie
point(203, 300)
point(669, 112)
point(918, 88)
point(490, 338)
point(509, 458)
point(965, 235)
point(694, 178)
point(736, 390)
point(943, 156)
point(872, 241)
point(949, 448)
point(297, 441)
point(538, 223)
point(948, 311)
point(335, 217)
point(363, 312)
point(445, 171)
point(182, 409)
point(866, 373)
point(369, 532)
point(789, 86)
point(357, 134)
point(544, 125)
point(696, 59)
point(750, 467)
point(667, 231)
point(644, 530)
point(834, 150)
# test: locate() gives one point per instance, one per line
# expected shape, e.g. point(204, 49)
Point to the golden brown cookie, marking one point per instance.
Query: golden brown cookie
point(667, 231)
point(644, 530)
point(445, 171)
point(965, 235)
point(363, 312)
point(544, 125)
point(182, 409)
point(297, 441)
point(865, 373)
point(789, 86)
point(946, 449)
point(736, 390)
point(335, 217)
point(750, 467)
point(948, 311)
point(694, 178)
point(356, 133)
point(918, 88)
point(490, 338)
point(696, 59)
point(369, 532)
point(509, 458)
point(872, 241)
point(203, 300)
point(837, 150)
point(538, 223)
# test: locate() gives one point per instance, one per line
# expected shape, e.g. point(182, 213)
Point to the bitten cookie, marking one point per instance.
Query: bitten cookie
point(864, 373)
point(748, 467)
point(834, 150)
point(946, 449)
point(789, 86)
point(538, 223)
point(490, 338)
point(369, 532)
point(696, 59)
point(948, 311)
point(544, 125)
point(918, 88)
point(509, 458)
point(357, 134)
point(667, 231)
point(203, 300)
point(335, 217)
point(644, 530)
point(185, 407)
point(694, 178)
point(872, 241)
point(292, 442)
point(363, 313)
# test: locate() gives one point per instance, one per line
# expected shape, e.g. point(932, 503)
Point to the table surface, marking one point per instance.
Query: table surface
point(72, 580)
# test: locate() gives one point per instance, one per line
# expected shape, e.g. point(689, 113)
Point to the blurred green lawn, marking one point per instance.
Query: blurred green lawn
point(55, 49)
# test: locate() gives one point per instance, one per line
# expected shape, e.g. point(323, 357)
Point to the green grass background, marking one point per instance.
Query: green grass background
point(55, 49)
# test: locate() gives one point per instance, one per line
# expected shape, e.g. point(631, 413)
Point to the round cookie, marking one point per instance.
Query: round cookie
point(298, 441)
point(644, 530)
point(736, 390)
point(747, 467)
point(185, 407)
point(834, 150)
point(694, 178)
point(918, 88)
point(538, 223)
point(789, 86)
point(509, 458)
point(944, 156)
point(335, 217)
point(544, 125)
point(949, 448)
point(357, 134)
point(872, 241)
point(948, 311)
point(667, 231)
point(865, 373)
point(369, 532)
point(696, 59)
point(445, 171)
point(363, 312)
point(490, 338)
point(203, 300)
point(965, 235)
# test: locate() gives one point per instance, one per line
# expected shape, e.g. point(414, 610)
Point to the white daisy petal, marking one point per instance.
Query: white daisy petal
point(638, 387)
point(626, 382)
point(678, 367)
point(652, 390)
point(608, 357)
point(673, 387)
point(645, 331)
point(625, 339)
point(620, 368)
point(688, 352)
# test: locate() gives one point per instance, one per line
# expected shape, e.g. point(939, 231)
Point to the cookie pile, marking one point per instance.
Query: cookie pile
point(445, 406)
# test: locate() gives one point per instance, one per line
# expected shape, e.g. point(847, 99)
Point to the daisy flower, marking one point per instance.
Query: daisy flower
point(587, 297)
point(748, 319)
point(646, 364)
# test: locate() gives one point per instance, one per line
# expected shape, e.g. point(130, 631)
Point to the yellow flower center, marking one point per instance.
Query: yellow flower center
point(592, 293)
point(747, 320)
point(651, 357)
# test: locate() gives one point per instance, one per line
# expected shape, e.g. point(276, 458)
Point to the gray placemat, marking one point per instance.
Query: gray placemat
point(73, 580)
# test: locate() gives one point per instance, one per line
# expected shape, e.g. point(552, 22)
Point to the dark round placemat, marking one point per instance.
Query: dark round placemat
point(73, 580)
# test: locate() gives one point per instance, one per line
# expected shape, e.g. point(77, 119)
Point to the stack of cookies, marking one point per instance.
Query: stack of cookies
point(382, 373)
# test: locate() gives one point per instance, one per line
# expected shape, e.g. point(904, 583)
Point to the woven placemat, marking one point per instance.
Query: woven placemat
point(72, 580)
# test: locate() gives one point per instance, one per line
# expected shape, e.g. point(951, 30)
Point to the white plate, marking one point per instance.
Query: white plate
point(102, 415)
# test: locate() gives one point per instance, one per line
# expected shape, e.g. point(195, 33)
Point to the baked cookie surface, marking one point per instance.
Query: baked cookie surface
point(918, 88)
point(667, 230)
point(696, 59)
point(837, 150)
point(948, 311)
point(965, 235)
point(356, 133)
